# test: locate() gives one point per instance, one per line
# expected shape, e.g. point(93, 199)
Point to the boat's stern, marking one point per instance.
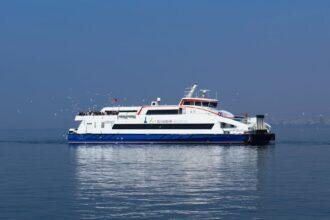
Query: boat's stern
point(260, 137)
point(260, 133)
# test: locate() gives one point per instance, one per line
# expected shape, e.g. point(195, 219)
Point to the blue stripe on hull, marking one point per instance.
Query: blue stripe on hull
point(157, 138)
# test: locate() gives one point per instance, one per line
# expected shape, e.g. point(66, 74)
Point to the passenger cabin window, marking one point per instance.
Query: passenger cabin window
point(163, 126)
point(111, 112)
point(164, 112)
point(225, 125)
point(198, 103)
point(127, 111)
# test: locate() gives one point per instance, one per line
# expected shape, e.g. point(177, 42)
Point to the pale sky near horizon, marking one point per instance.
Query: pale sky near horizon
point(60, 57)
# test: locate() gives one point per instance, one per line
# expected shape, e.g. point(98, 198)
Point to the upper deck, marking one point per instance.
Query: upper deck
point(155, 108)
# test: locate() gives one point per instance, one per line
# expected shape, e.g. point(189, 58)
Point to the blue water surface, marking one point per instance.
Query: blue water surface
point(41, 177)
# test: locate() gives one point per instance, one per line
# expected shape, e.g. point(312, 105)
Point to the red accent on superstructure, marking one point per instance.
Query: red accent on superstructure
point(140, 110)
point(187, 106)
point(216, 113)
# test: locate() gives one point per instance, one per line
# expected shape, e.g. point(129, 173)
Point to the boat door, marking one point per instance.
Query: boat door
point(89, 127)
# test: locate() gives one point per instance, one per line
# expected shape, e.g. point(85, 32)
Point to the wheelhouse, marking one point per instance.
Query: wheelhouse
point(202, 102)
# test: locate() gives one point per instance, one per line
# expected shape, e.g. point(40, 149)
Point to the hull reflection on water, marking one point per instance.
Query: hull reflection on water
point(157, 180)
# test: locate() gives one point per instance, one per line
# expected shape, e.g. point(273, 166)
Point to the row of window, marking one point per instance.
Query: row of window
point(204, 104)
point(162, 126)
point(120, 111)
point(165, 112)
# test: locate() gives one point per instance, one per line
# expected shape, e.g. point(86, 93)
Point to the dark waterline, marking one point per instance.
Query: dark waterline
point(41, 177)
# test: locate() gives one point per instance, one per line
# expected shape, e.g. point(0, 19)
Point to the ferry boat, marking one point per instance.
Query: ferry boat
point(196, 119)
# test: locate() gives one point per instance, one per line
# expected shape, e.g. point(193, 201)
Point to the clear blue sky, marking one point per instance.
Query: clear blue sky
point(57, 57)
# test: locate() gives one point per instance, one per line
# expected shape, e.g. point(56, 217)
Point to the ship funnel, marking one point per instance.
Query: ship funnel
point(191, 91)
point(260, 122)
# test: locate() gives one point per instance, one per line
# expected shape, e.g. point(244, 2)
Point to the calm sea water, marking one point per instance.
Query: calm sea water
point(41, 177)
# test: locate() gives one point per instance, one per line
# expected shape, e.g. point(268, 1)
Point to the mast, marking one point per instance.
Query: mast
point(190, 93)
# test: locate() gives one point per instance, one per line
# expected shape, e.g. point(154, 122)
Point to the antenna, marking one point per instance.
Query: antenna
point(204, 91)
point(190, 91)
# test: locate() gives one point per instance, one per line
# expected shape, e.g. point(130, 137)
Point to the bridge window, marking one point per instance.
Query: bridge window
point(198, 103)
point(205, 104)
point(213, 104)
point(188, 103)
